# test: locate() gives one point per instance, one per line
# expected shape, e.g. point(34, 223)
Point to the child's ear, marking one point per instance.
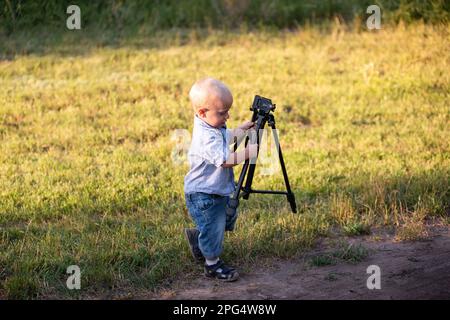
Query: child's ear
point(202, 112)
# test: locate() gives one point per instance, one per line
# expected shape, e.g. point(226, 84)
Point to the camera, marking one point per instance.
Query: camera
point(262, 106)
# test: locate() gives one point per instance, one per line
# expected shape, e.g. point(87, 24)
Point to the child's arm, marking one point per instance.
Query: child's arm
point(235, 158)
point(240, 132)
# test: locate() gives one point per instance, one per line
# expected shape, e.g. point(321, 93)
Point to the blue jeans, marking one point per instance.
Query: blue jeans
point(209, 214)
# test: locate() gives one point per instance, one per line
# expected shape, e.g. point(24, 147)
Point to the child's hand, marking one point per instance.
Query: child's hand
point(247, 125)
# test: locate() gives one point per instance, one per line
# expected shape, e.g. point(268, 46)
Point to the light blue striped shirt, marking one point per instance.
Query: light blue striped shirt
point(208, 151)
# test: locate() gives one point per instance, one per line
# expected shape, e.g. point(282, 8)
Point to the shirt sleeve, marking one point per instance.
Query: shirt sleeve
point(213, 149)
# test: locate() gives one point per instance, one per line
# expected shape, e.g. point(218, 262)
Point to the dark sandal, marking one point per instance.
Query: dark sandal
point(221, 271)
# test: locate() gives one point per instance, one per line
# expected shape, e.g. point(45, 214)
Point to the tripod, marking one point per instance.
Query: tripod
point(262, 108)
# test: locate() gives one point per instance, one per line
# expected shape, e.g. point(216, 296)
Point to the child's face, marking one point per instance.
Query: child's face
point(216, 112)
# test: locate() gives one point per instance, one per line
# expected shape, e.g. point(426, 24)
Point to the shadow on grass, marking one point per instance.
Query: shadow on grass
point(71, 43)
point(427, 188)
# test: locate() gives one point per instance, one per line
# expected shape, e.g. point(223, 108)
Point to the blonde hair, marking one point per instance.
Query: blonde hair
point(206, 89)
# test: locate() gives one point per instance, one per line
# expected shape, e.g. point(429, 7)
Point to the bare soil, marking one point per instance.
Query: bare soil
point(409, 270)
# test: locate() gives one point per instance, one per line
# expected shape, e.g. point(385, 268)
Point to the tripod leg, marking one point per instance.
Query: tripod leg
point(249, 181)
point(233, 203)
point(290, 195)
point(251, 171)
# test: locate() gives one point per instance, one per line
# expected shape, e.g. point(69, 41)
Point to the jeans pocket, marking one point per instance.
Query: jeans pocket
point(204, 202)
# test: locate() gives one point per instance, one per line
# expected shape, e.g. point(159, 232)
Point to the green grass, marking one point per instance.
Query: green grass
point(356, 229)
point(322, 260)
point(86, 175)
point(351, 253)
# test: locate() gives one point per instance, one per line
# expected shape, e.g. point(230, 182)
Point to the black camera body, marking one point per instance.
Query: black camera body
point(262, 106)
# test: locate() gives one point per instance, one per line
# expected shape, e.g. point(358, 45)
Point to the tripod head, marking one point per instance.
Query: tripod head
point(261, 107)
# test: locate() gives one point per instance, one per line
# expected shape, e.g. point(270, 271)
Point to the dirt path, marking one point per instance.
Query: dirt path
point(409, 270)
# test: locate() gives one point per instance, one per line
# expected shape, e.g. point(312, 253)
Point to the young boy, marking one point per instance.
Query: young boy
point(210, 181)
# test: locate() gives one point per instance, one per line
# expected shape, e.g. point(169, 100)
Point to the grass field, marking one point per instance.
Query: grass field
point(86, 170)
